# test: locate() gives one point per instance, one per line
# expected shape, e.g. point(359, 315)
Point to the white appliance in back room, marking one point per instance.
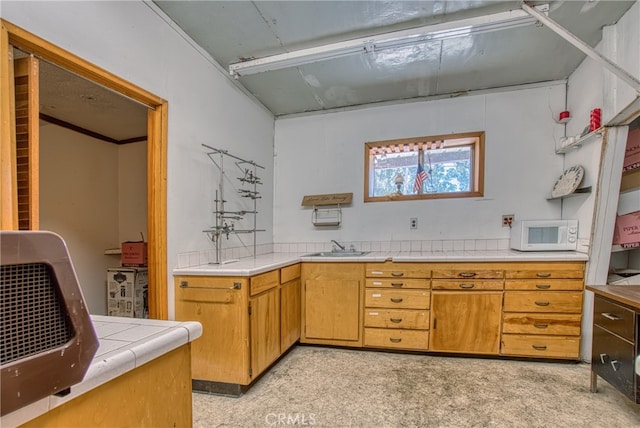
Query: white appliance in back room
point(127, 292)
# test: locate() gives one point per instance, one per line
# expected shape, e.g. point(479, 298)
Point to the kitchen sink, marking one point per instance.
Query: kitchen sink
point(337, 254)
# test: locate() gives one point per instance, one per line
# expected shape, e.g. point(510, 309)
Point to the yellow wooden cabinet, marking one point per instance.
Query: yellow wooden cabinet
point(289, 306)
point(466, 307)
point(248, 322)
point(332, 303)
point(543, 310)
point(397, 300)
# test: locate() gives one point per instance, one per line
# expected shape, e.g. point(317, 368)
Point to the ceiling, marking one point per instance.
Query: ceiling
point(234, 31)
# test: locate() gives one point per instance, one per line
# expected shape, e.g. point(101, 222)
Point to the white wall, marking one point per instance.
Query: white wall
point(132, 191)
point(79, 201)
point(324, 153)
point(131, 40)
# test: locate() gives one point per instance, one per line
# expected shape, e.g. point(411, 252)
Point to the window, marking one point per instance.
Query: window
point(442, 166)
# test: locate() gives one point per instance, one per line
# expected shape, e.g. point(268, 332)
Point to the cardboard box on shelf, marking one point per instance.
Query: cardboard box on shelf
point(134, 254)
point(127, 292)
point(627, 229)
point(632, 151)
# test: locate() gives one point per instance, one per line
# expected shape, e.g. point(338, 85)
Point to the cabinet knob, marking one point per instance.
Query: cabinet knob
point(395, 339)
point(603, 357)
point(395, 320)
point(539, 347)
point(466, 285)
point(540, 325)
point(397, 284)
point(396, 299)
point(397, 274)
point(615, 364)
point(543, 286)
point(467, 274)
point(543, 274)
point(541, 303)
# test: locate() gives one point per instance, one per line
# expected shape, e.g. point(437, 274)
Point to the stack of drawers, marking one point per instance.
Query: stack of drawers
point(397, 300)
point(615, 347)
point(542, 310)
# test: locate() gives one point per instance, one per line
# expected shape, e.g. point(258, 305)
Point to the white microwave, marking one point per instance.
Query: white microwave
point(544, 235)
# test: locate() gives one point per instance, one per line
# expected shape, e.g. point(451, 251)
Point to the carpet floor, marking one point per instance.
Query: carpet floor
point(331, 387)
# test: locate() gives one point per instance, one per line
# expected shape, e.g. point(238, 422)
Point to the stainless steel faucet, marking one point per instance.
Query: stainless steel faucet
point(338, 244)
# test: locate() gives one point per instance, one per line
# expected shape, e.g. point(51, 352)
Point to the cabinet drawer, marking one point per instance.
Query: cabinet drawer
point(398, 283)
point(396, 318)
point(545, 272)
point(551, 324)
point(540, 346)
point(542, 284)
point(543, 301)
point(397, 270)
point(289, 273)
point(264, 281)
point(403, 299)
point(466, 285)
point(613, 358)
point(397, 339)
point(470, 272)
point(613, 317)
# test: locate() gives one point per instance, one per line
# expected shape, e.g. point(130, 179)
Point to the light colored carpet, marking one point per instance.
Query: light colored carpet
point(331, 387)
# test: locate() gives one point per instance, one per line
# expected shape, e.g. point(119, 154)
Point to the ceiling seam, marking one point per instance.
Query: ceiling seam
point(266, 21)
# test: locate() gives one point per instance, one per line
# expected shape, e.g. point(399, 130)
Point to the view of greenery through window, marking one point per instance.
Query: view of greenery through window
point(447, 170)
point(429, 167)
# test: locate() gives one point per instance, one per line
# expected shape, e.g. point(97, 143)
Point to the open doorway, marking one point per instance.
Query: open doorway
point(92, 173)
point(156, 125)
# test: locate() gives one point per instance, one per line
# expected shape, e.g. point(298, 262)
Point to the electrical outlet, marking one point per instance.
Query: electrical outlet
point(507, 220)
point(413, 223)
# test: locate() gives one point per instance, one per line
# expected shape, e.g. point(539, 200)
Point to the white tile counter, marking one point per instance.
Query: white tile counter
point(266, 262)
point(125, 344)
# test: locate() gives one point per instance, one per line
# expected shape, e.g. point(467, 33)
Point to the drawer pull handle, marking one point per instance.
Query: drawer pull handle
point(397, 284)
point(615, 364)
point(395, 320)
point(397, 274)
point(540, 325)
point(466, 285)
point(539, 303)
point(602, 358)
point(395, 339)
point(543, 274)
point(539, 347)
point(543, 286)
point(610, 316)
point(396, 300)
point(467, 274)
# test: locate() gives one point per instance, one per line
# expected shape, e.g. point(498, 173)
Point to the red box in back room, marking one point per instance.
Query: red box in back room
point(134, 254)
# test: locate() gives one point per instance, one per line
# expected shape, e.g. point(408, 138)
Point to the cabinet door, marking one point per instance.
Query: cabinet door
point(290, 314)
point(332, 309)
point(465, 322)
point(221, 354)
point(265, 330)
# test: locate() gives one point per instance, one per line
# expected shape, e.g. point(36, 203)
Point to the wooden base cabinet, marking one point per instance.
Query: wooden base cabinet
point(543, 310)
point(397, 300)
point(247, 323)
point(332, 303)
point(466, 307)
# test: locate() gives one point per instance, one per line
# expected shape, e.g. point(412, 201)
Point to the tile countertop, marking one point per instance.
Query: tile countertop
point(266, 262)
point(125, 344)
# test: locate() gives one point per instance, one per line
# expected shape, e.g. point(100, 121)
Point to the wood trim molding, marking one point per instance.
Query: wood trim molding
point(156, 146)
point(8, 172)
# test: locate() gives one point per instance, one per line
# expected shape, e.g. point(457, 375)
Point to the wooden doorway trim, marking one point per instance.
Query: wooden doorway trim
point(12, 35)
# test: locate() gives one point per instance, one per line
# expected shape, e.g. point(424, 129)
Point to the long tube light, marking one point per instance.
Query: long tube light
point(441, 31)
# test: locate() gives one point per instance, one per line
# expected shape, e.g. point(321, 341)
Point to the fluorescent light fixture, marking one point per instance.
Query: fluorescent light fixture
point(441, 31)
